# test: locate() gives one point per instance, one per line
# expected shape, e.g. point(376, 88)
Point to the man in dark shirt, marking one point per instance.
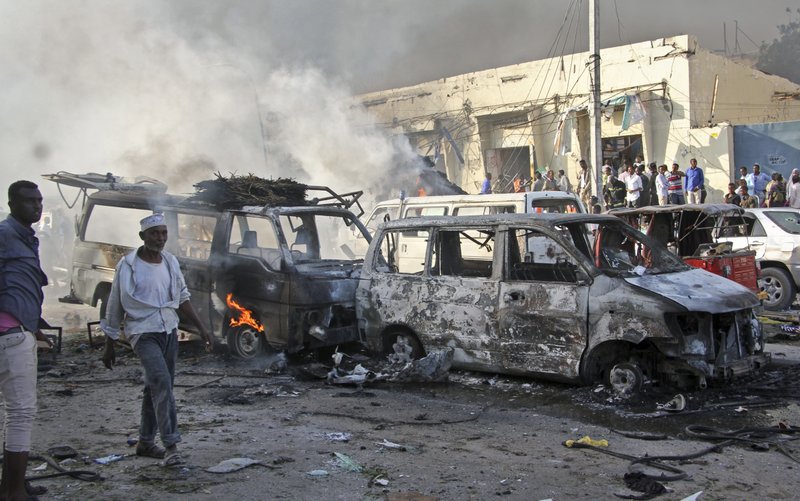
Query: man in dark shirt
point(614, 193)
point(732, 197)
point(21, 296)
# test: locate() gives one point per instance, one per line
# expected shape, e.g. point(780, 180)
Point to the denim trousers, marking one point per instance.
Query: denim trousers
point(158, 353)
point(18, 386)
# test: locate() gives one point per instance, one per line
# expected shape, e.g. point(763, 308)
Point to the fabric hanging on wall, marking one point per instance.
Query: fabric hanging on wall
point(634, 111)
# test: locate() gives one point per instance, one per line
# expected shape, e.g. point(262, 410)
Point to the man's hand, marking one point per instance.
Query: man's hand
point(109, 355)
point(211, 342)
point(39, 335)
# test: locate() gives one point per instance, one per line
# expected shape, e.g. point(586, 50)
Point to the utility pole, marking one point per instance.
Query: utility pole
point(594, 100)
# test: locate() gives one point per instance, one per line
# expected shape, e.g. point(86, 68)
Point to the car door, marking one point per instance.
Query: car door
point(190, 237)
point(543, 304)
point(745, 232)
point(461, 293)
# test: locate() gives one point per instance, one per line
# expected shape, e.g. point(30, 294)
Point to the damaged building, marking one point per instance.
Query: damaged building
point(668, 99)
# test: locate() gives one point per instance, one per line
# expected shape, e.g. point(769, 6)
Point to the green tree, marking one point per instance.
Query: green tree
point(782, 56)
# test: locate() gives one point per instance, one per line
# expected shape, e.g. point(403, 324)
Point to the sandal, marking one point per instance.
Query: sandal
point(174, 459)
point(35, 490)
point(149, 450)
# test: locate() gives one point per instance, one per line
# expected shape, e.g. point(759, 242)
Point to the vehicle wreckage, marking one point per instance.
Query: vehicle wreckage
point(262, 275)
point(576, 298)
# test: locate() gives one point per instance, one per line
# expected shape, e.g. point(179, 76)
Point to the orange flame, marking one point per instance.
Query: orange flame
point(245, 315)
point(421, 192)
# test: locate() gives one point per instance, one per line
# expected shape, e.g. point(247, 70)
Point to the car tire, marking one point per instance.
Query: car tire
point(779, 288)
point(626, 379)
point(245, 342)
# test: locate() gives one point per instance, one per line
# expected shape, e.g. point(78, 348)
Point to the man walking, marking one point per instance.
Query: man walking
point(21, 297)
point(694, 182)
point(147, 293)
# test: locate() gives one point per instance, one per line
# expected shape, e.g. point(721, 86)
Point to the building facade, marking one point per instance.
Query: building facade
point(668, 99)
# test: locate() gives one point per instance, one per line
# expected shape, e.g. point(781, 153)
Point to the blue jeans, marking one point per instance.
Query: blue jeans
point(676, 198)
point(158, 352)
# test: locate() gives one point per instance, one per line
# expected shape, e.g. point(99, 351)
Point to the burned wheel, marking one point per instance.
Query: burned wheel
point(779, 288)
point(406, 341)
point(626, 379)
point(244, 342)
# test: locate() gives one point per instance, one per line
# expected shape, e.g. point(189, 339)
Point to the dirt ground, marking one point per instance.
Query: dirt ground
point(479, 436)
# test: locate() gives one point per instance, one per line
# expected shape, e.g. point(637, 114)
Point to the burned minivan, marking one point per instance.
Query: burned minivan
point(574, 297)
point(261, 276)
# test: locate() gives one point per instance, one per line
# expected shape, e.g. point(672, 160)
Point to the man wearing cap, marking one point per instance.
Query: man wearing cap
point(21, 296)
point(146, 295)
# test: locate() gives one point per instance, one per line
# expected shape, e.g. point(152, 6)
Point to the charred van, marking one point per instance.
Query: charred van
point(571, 297)
point(260, 276)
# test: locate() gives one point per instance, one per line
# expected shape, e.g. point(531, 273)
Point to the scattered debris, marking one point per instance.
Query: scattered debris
point(587, 440)
point(693, 497)
point(235, 464)
point(239, 399)
point(391, 445)
point(346, 462)
point(791, 329)
point(641, 435)
point(677, 404)
point(62, 452)
point(109, 459)
point(216, 380)
point(318, 473)
point(432, 368)
point(640, 482)
point(339, 436)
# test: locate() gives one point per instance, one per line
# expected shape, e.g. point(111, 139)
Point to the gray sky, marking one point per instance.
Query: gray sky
point(168, 88)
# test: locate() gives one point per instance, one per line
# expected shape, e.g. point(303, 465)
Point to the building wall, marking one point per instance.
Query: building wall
point(520, 105)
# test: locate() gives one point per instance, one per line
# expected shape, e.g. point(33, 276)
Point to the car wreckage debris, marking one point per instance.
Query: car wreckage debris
point(433, 368)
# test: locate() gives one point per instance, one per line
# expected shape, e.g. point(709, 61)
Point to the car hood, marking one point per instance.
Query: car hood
point(698, 290)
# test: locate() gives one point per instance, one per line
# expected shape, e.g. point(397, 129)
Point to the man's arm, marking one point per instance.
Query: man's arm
point(112, 321)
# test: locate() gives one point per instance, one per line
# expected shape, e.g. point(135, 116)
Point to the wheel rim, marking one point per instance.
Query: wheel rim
point(246, 342)
point(774, 290)
point(625, 379)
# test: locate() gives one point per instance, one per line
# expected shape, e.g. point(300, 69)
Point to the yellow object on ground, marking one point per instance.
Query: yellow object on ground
point(587, 440)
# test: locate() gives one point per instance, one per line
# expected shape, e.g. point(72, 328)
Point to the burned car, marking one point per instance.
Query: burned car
point(261, 276)
point(576, 298)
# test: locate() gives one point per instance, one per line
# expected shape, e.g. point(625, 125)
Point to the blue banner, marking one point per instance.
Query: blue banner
point(773, 146)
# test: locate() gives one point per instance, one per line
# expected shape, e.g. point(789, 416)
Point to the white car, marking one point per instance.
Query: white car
point(774, 234)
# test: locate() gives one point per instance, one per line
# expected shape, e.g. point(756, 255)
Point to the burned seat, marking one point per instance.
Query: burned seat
point(250, 247)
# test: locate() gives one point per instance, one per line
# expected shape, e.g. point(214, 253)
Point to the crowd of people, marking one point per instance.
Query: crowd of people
point(639, 185)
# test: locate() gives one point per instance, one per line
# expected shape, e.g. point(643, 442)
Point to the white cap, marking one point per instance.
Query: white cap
point(152, 221)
